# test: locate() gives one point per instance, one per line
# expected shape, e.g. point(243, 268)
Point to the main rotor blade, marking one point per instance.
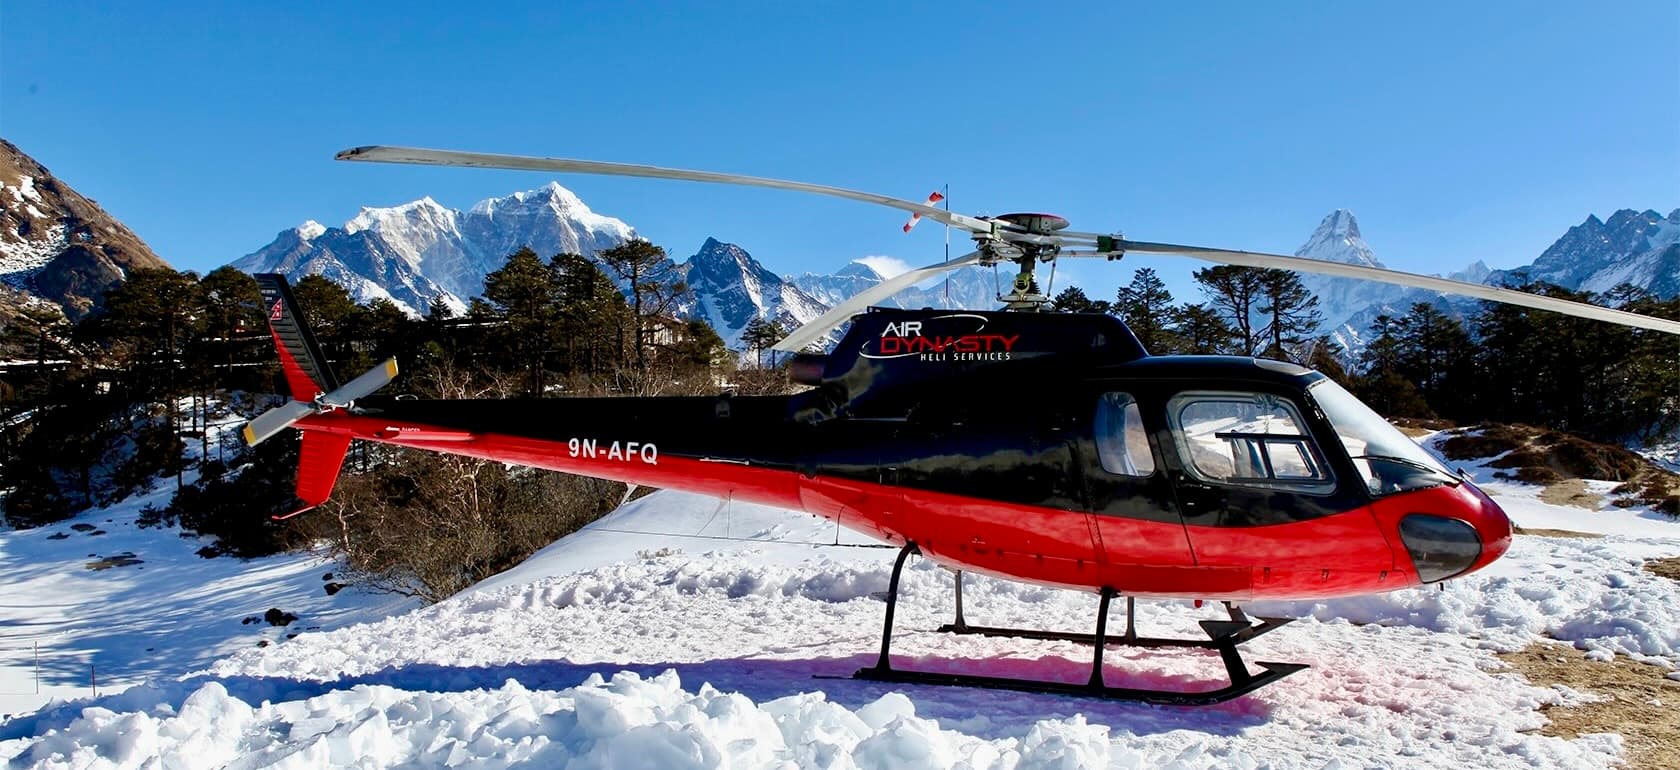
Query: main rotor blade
point(420, 156)
point(837, 315)
point(1432, 283)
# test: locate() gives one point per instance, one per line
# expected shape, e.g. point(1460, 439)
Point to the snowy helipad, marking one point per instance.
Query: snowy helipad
point(621, 647)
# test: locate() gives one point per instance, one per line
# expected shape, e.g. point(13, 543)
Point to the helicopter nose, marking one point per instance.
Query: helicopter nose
point(1492, 525)
point(1447, 546)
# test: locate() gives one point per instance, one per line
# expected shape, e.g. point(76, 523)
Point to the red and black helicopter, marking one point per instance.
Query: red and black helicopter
point(1042, 447)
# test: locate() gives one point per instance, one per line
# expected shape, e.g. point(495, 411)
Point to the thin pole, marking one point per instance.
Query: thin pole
point(947, 245)
point(37, 646)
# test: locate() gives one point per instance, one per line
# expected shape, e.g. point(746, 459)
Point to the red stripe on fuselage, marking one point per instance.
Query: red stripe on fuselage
point(1349, 553)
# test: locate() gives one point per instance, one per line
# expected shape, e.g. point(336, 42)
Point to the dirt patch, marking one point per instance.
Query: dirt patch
point(1571, 492)
point(115, 560)
point(1638, 701)
point(1668, 568)
point(1543, 532)
point(1417, 426)
point(1560, 462)
point(1488, 441)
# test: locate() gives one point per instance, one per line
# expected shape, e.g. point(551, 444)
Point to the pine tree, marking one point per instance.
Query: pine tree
point(1235, 293)
point(1324, 355)
point(1291, 314)
point(1147, 308)
point(525, 292)
point(595, 321)
point(1073, 300)
point(1201, 331)
point(233, 309)
point(761, 335)
point(1435, 354)
point(655, 289)
point(1382, 385)
point(150, 321)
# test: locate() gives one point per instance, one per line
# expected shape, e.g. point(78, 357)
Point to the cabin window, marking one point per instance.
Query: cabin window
point(1122, 442)
point(1250, 439)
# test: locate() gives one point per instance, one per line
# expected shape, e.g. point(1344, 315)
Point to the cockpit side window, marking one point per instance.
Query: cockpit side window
point(1247, 439)
point(1122, 442)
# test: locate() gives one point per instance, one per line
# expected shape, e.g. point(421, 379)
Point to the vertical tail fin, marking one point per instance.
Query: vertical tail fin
point(307, 373)
point(314, 391)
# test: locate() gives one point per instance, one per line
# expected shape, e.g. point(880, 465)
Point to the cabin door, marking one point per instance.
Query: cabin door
point(1133, 510)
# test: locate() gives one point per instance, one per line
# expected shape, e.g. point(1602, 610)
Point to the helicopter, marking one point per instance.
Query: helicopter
point(1048, 448)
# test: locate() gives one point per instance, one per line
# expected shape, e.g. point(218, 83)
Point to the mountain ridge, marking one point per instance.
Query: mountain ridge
point(1640, 248)
point(56, 245)
point(421, 252)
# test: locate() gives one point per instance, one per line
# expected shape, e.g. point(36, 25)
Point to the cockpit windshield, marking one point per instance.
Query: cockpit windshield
point(1390, 462)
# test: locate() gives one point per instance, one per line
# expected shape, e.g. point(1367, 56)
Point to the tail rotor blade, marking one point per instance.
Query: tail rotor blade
point(267, 424)
point(271, 422)
point(821, 325)
point(370, 381)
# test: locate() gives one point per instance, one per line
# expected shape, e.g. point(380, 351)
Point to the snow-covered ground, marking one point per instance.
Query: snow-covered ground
point(103, 601)
point(99, 602)
point(620, 647)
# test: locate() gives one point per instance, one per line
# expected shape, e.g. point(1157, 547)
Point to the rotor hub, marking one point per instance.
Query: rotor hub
point(1038, 224)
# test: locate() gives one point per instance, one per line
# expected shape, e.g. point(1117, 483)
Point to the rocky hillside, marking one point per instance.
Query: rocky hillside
point(1637, 247)
point(55, 244)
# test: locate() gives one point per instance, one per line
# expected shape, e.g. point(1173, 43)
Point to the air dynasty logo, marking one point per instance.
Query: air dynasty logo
point(904, 339)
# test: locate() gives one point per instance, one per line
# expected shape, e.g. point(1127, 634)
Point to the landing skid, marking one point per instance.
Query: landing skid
point(1224, 636)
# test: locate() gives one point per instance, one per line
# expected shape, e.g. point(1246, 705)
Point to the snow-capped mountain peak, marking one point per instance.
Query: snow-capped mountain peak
point(1337, 239)
point(1637, 247)
point(405, 216)
point(551, 196)
point(422, 252)
point(861, 269)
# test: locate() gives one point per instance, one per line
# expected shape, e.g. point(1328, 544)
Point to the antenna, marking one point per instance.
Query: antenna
point(947, 245)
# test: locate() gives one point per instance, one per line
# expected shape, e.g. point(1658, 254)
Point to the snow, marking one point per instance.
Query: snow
point(168, 611)
point(25, 190)
point(886, 267)
point(20, 259)
point(624, 646)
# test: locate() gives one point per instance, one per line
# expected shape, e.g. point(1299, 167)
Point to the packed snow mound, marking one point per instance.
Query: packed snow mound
point(627, 721)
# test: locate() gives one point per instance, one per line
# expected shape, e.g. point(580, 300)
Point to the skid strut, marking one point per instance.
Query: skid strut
point(1224, 636)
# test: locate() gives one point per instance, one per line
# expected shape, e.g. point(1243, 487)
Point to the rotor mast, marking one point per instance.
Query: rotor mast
point(1031, 241)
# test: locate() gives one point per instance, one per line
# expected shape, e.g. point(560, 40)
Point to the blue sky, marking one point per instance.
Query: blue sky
point(1454, 131)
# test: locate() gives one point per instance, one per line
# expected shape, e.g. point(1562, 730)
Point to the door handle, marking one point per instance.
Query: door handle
point(1184, 481)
